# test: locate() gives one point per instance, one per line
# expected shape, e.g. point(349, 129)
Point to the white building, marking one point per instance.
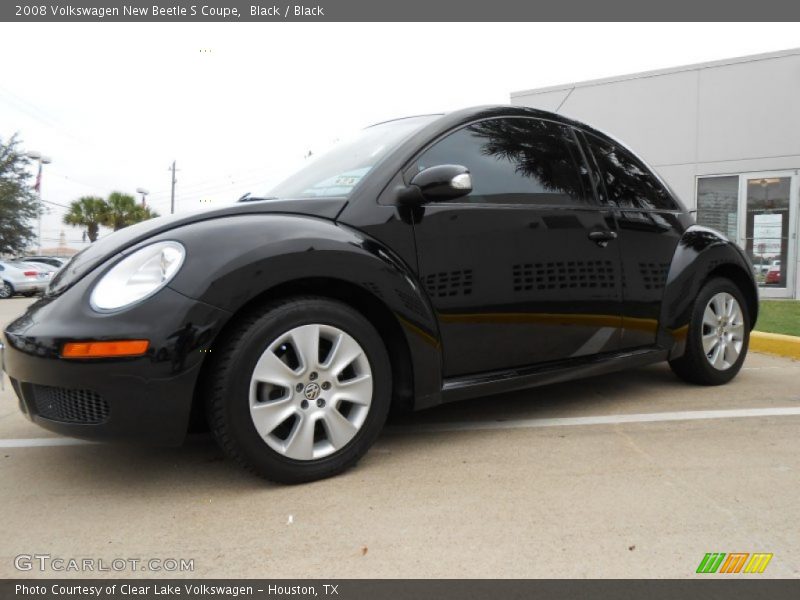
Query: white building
point(725, 135)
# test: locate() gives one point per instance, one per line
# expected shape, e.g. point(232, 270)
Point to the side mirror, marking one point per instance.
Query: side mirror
point(442, 182)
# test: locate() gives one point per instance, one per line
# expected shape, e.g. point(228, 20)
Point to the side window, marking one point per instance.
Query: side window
point(513, 161)
point(628, 182)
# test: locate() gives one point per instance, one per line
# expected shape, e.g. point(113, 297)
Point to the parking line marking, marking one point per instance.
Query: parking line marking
point(688, 415)
point(41, 442)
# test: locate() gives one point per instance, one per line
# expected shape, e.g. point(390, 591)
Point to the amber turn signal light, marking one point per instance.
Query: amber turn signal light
point(104, 349)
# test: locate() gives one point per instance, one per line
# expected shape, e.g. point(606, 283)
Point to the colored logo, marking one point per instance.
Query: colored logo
point(734, 562)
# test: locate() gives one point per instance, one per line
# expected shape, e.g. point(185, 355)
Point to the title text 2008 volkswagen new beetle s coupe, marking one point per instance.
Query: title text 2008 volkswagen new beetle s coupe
point(429, 259)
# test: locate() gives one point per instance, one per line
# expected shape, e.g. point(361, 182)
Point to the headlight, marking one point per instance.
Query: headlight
point(138, 276)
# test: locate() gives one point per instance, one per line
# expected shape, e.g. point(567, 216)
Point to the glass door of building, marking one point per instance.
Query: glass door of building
point(760, 212)
point(768, 229)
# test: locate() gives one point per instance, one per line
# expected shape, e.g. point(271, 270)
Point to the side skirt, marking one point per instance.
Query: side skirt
point(498, 382)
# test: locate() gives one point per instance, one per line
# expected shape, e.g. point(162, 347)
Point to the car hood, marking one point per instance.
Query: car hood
point(124, 239)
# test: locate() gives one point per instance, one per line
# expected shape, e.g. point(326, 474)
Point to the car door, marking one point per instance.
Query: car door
point(524, 270)
point(649, 230)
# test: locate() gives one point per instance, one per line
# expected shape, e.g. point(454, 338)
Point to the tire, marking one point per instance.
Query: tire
point(722, 338)
point(6, 291)
point(261, 411)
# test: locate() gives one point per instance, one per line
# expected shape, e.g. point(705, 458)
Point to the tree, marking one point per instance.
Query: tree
point(19, 205)
point(143, 213)
point(122, 210)
point(89, 212)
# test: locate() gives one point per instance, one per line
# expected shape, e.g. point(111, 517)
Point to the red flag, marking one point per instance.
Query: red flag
point(38, 185)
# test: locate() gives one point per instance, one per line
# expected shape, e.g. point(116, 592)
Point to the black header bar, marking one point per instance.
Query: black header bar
point(399, 10)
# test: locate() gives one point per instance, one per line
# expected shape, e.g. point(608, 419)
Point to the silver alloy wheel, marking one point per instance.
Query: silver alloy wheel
point(6, 291)
point(310, 391)
point(723, 331)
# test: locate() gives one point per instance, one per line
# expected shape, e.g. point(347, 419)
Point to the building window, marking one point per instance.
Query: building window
point(718, 204)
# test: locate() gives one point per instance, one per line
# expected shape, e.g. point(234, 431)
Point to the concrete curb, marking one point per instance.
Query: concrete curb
point(775, 343)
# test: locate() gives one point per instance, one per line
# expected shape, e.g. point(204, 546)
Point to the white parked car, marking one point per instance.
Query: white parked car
point(47, 268)
point(54, 261)
point(22, 278)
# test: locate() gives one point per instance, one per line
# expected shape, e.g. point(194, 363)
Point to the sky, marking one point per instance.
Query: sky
point(240, 105)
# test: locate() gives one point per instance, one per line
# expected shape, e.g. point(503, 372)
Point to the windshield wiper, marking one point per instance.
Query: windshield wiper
point(248, 198)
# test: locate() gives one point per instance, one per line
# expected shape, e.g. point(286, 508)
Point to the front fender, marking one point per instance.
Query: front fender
point(701, 254)
point(233, 260)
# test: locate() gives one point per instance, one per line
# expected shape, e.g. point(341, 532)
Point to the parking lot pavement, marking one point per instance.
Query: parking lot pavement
point(506, 492)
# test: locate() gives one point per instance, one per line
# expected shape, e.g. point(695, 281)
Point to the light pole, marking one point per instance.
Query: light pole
point(144, 193)
point(172, 194)
point(42, 160)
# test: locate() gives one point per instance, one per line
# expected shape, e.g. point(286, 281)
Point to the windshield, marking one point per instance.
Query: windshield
point(337, 172)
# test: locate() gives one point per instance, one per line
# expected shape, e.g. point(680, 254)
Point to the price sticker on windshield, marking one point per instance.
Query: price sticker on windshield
point(346, 180)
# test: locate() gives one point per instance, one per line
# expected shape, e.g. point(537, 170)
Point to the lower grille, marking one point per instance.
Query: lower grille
point(70, 406)
point(18, 391)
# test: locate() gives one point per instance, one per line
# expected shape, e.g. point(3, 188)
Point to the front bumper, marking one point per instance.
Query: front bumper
point(147, 398)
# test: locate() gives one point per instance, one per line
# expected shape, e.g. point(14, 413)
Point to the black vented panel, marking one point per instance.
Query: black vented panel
point(654, 275)
point(70, 406)
point(449, 284)
point(562, 275)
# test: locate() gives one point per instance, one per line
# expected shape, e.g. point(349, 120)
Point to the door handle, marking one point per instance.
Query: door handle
point(601, 237)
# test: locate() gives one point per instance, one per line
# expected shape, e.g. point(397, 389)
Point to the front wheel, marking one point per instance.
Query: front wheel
point(718, 335)
point(299, 390)
point(6, 291)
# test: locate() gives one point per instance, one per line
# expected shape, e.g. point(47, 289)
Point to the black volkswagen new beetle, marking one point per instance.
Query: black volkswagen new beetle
point(427, 260)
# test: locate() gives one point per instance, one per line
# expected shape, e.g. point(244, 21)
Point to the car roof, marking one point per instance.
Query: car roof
point(445, 122)
point(494, 110)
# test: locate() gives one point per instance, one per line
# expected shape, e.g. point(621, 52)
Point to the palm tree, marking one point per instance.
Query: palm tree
point(143, 213)
point(89, 212)
point(122, 211)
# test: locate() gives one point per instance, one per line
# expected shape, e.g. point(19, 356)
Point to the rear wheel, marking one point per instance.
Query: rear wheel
point(718, 336)
point(6, 291)
point(300, 389)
